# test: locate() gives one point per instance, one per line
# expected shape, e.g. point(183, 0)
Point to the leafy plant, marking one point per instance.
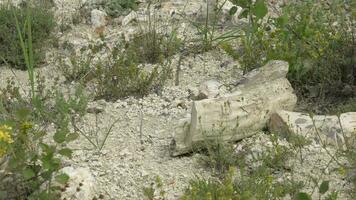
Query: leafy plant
point(12, 18)
point(33, 160)
point(315, 37)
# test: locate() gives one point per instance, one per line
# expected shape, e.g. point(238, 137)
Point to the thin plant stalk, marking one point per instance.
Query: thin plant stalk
point(27, 47)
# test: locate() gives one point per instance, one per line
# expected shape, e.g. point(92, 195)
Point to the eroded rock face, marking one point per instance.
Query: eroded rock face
point(242, 113)
point(328, 130)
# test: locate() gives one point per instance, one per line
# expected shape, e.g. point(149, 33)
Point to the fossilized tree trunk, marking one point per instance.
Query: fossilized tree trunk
point(240, 114)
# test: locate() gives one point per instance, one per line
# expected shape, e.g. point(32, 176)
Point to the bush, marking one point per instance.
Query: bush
point(42, 23)
point(315, 37)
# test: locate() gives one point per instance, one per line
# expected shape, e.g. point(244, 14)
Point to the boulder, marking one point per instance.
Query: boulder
point(239, 114)
point(326, 130)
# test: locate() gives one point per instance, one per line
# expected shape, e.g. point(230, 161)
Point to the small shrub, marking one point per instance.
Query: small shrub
point(42, 23)
point(121, 77)
point(220, 155)
point(155, 42)
point(153, 47)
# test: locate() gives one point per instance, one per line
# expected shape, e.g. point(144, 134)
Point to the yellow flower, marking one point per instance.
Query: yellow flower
point(5, 134)
point(5, 137)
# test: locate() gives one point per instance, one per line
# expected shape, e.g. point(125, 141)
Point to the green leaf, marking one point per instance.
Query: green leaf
point(233, 10)
point(28, 173)
point(66, 152)
point(260, 9)
point(282, 21)
point(39, 134)
point(62, 178)
point(59, 137)
point(71, 137)
point(324, 187)
point(22, 114)
point(303, 196)
point(47, 148)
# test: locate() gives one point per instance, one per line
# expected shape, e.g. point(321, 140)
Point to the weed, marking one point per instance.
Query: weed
point(156, 41)
point(220, 156)
point(93, 136)
point(42, 24)
point(208, 28)
point(155, 190)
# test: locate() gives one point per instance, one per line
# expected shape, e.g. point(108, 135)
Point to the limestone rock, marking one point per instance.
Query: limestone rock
point(240, 114)
point(98, 18)
point(129, 18)
point(82, 184)
point(209, 89)
point(324, 129)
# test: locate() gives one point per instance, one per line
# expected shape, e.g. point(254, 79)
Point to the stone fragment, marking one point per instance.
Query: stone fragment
point(132, 16)
point(209, 89)
point(327, 130)
point(98, 18)
point(240, 114)
point(81, 185)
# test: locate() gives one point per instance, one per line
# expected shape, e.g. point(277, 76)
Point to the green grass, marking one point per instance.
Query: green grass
point(12, 22)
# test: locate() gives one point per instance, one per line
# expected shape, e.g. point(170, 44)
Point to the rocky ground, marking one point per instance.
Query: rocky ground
point(137, 148)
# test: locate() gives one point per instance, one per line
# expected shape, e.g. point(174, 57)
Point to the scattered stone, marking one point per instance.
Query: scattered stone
point(241, 114)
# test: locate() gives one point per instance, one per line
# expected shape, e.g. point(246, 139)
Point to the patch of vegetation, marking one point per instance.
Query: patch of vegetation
point(156, 41)
point(220, 155)
point(42, 24)
point(254, 176)
point(32, 154)
point(155, 190)
point(315, 37)
point(121, 76)
point(116, 8)
point(153, 47)
point(208, 28)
